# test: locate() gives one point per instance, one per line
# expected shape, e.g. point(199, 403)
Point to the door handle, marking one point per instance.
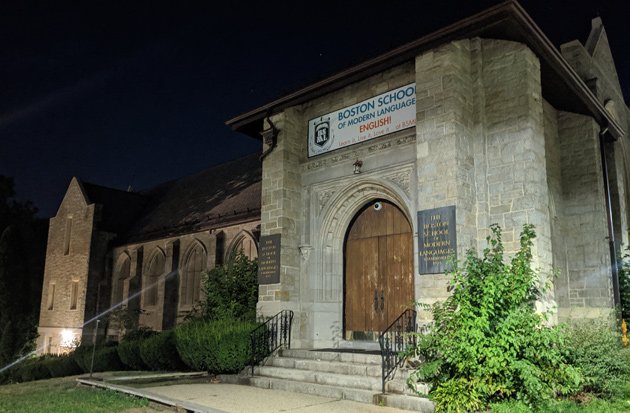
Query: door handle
point(375, 300)
point(382, 300)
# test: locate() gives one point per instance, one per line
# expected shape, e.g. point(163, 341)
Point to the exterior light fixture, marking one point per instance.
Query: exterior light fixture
point(357, 166)
point(67, 339)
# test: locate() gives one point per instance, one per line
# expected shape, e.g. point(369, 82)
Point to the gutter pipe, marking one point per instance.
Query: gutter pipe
point(614, 263)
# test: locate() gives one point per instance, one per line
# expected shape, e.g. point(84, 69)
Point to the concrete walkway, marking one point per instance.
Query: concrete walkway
point(234, 398)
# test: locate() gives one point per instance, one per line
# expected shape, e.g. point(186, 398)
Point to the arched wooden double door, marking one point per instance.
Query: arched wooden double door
point(378, 255)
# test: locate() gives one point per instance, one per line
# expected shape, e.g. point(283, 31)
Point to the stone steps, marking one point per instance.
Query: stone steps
point(339, 375)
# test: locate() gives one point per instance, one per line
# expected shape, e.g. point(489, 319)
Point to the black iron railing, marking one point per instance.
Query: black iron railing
point(270, 336)
point(394, 340)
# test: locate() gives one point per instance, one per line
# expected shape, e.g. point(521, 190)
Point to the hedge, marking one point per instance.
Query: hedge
point(129, 349)
point(159, 352)
point(221, 346)
point(105, 358)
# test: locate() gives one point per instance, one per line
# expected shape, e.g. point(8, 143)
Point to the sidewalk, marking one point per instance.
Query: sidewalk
point(234, 398)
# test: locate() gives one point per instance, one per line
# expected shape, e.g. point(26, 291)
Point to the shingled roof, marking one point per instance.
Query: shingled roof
point(118, 208)
point(222, 195)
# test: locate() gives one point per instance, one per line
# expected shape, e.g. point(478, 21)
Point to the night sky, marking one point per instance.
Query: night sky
point(137, 93)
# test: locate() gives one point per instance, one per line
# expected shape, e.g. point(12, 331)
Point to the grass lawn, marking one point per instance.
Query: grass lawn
point(62, 395)
point(565, 406)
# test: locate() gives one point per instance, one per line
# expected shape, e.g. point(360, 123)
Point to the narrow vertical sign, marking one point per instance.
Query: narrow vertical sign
point(269, 259)
point(437, 241)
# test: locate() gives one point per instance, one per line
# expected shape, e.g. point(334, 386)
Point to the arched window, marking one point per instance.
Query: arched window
point(194, 265)
point(219, 249)
point(121, 275)
point(156, 269)
point(246, 243)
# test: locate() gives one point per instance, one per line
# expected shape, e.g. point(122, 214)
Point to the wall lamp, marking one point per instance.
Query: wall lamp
point(357, 166)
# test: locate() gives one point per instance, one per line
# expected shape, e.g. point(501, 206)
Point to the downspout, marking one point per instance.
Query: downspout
point(270, 136)
point(611, 233)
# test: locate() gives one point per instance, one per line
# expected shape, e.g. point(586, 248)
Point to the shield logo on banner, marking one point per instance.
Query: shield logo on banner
point(322, 133)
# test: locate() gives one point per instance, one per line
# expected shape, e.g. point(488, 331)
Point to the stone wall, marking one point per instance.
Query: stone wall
point(79, 258)
point(320, 197)
point(281, 211)
point(584, 288)
point(556, 201)
point(67, 260)
point(481, 147)
point(483, 142)
point(174, 251)
point(444, 148)
point(594, 63)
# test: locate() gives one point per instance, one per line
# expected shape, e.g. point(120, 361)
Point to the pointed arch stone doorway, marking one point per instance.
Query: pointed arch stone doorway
point(378, 270)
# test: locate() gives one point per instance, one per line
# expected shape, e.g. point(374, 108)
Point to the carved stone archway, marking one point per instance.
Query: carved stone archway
point(332, 224)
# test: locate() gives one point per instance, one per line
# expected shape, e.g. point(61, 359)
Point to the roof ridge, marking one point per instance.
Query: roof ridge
point(197, 173)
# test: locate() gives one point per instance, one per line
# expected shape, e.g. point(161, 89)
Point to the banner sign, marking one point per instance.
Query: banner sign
point(437, 241)
point(386, 113)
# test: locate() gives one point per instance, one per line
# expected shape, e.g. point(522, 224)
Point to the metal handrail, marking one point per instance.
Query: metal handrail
point(270, 336)
point(394, 340)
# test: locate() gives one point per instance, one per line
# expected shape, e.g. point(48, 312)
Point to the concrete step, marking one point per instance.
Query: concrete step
point(405, 402)
point(344, 357)
point(340, 375)
point(398, 384)
point(354, 369)
point(332, 379)
point(333, 392)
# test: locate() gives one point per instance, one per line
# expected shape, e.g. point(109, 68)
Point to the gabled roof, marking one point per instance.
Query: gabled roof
point(223, 195)
point(562, 86)
point(119, 208)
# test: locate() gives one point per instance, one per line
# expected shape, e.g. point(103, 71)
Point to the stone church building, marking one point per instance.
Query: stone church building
point(143, 252)
point(370, 181)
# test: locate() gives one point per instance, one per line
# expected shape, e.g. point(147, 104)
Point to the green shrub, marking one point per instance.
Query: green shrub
point(487, 343)
point(129, 348)
point(61, 366)
point(220, 346)
point(596, 349)
point(45, 367)
point(624, 284)
point(31, 369)
point(231, 290)
point(160, 353)
point(512, 406)
point(191, 340)
point(105, 358)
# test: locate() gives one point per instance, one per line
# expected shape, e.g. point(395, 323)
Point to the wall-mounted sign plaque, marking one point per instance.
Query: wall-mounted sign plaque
point(269, 259)
point(437, 240)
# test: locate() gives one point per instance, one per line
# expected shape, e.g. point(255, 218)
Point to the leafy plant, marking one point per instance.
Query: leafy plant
point(160, 353)
point(624, 285)
point(105, 358)
point(129, 348)
point(216, 346)
point(487, 343)
point(127, 319)
point(29, 370)
point(596, 349)
point(61, 366)
point(231, 290)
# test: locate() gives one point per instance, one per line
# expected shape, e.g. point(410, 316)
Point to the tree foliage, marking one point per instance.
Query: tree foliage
point(624, 285)
point(231, 290)
point(22, 254)
point(487, 343)
point(596, 349)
